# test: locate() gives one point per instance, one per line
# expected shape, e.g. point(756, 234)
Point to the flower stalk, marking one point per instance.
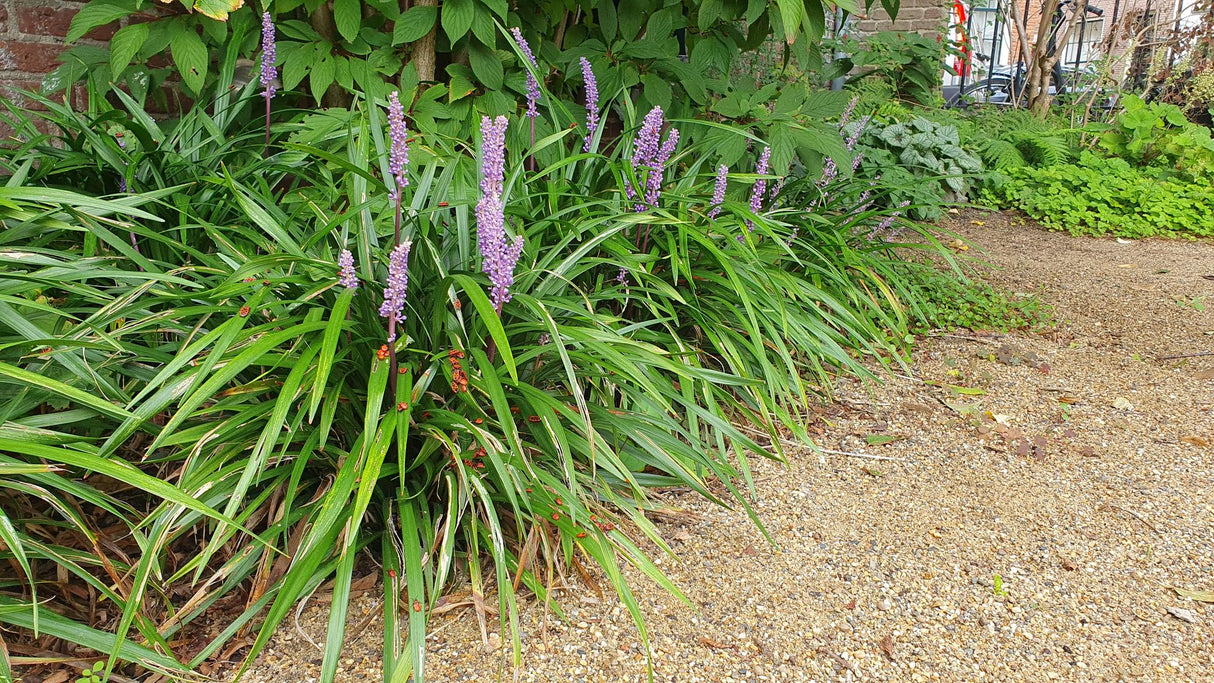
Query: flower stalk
point(269, 73)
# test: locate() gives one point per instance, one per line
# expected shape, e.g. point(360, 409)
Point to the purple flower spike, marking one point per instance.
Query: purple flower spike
point(397, 285)
point(533, 86)
point(592, 102)
point(854, 138)
point(493, 155)
point(345, 276)
point(718, 191)
point(269, 55)
point(851, 108)
point(650, 154)
point(398, 157)
point(760, 187)
point(499, 254)
point(648, 141)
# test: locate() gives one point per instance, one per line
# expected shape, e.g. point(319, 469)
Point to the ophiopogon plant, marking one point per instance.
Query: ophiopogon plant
point(323, 350)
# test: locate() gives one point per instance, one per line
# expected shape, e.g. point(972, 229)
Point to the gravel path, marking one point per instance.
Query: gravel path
point(1032, 532)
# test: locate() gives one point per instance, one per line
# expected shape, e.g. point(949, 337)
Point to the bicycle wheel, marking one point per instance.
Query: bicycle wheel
point(988, 91)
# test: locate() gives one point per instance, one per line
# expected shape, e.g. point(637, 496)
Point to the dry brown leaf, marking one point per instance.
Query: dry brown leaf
point(1204, 374)
point(1195, 441)
point(887, 646)
point(710, 643)
point(365, 583)
point(1069, 565)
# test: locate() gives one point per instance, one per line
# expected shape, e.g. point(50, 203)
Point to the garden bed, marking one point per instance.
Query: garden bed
point(1033, 531)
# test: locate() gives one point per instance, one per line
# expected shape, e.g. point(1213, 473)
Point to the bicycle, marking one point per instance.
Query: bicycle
point(1005, 86)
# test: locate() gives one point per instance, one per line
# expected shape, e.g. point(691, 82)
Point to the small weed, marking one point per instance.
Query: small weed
point(948, 302)
point(999, 589)
point(1197, 303)
point(92, 675)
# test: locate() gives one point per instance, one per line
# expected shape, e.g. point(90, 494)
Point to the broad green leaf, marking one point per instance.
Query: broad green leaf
point(456, 17)
point(791, 14)
point(348, 17)
point(608, 23)
point(92, 15)
point(709, 12)
point(413, 24)
point(321, 77)
point(125, 45)
point(190, 56)
point(486, 66)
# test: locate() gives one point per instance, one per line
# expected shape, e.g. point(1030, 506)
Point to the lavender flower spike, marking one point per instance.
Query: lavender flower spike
point(848, 111)
point(499, 254)
point(345, 275)
point(533, 86)
point(648, 141)
point(760, 187)
point(398, 154)
point(592, 102)
point(269, 55)
point(718, 191)
point(651, 154)
point(397, 285)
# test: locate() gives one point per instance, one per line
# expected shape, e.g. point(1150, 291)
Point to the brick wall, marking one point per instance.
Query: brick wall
point(921, 16)
point(31, 38)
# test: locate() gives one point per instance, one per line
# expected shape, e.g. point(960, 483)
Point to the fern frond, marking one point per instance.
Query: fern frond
point(1001, 155)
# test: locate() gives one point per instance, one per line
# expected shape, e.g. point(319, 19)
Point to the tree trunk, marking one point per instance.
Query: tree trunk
point(423, 49)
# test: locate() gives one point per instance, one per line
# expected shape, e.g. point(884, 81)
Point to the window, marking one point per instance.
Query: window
point(990, 39)
point(1088, 35)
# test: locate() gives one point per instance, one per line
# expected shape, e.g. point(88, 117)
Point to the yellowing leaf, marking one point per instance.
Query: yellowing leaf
point(217, 9)
point(1200, 596)
point(962, 408)
point(968, 391)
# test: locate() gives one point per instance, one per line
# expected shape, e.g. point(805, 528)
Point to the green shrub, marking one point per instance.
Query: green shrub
point(1100, 196)
point(910, 63)
point(1158, 135)
point(921, 162)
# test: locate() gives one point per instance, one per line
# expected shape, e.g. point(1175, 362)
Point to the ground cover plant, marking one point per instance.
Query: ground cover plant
point(244, 348)
point(1099, 196)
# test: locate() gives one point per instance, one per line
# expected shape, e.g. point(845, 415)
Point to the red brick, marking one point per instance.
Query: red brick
point(3, 19)
point(38, 58)
point(55, 21)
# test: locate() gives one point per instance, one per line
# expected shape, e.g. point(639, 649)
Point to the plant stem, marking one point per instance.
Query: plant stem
point(531, 154)
point(392, 363)
point(267, 96)
point(497, 308)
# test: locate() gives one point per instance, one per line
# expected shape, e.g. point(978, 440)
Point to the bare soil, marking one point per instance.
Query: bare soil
point(1046, 495)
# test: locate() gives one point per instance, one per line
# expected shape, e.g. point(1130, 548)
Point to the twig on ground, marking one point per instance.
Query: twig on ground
point(1186, 355)
point(968, 338)
point(867, 456)
point(1135, 515)
point(830, 451)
